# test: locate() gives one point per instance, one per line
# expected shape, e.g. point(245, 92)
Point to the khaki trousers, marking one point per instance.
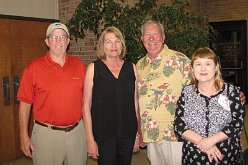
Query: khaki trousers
point(54, 147)
point(165, 153)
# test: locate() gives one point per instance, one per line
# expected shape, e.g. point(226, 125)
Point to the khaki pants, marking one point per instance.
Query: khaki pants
point(53, 147)
point(165, 153)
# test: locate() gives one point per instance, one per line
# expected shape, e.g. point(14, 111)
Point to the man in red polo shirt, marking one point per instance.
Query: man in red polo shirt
point(53, 86)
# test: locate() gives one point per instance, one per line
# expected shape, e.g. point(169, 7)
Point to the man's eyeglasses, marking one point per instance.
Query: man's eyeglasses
point(54, 37)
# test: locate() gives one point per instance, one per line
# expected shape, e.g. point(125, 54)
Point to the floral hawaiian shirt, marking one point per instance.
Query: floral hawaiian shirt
point(159, 87)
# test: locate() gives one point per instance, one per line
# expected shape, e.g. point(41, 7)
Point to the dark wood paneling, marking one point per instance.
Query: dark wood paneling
point(20, 41)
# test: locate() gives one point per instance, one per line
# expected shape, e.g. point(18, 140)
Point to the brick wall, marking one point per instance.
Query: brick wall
point(216, 10)
point(84, 49)
point(225, 10)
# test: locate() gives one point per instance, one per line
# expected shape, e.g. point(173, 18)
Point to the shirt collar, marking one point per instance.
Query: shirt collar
point(163, 52)
point(49, 59)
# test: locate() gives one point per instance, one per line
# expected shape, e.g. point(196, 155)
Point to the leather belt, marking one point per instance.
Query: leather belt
point(66, 129)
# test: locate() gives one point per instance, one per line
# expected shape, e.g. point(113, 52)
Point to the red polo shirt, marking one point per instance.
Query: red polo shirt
point(56, 92)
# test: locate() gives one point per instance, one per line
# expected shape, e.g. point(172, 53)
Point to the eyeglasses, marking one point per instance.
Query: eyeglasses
point(54, 37)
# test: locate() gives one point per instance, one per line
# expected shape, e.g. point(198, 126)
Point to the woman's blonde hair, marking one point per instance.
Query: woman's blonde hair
point(206, 52)
point(100, 49)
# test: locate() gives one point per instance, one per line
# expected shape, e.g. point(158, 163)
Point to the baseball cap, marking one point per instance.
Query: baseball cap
point(56, 25)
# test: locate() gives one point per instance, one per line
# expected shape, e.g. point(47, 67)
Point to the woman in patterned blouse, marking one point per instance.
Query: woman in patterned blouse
point(209, 116)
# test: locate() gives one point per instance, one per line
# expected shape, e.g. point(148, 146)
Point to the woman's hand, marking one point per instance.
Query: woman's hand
point(205, 143)
point(142, 144)
point(214, 153)
point(136, 144)
point(93, 149)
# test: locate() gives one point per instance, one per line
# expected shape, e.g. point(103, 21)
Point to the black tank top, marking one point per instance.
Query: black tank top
point(113, 109)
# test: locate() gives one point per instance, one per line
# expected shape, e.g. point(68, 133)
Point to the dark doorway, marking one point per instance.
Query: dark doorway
point(232, 50)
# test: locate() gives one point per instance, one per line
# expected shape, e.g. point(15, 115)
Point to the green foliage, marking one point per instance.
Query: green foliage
point(185, 31)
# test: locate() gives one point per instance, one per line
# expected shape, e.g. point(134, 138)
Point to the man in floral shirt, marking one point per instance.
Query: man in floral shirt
point(162, 74)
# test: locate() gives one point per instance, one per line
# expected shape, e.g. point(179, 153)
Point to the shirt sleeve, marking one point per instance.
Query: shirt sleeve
point(26, 88)
point(186, 72)
point(179, 125)
point(234, 128)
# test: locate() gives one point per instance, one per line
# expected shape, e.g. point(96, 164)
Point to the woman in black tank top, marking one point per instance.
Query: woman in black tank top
point(110, 102)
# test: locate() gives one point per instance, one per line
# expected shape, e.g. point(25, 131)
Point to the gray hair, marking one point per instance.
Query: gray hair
point(150, 21)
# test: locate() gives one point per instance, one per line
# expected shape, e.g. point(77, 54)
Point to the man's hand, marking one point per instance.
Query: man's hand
point(242, 97)
point(27, 146)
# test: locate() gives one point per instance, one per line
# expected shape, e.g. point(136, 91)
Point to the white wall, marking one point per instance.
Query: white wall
point(30, 8)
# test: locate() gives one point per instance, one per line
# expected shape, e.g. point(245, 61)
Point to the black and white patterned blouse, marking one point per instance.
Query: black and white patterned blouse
point(208, 116)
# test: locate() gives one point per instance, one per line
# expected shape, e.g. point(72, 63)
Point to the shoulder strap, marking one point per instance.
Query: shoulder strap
point(96, 68)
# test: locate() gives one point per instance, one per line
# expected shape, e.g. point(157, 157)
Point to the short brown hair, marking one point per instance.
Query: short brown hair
point(206, 52)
